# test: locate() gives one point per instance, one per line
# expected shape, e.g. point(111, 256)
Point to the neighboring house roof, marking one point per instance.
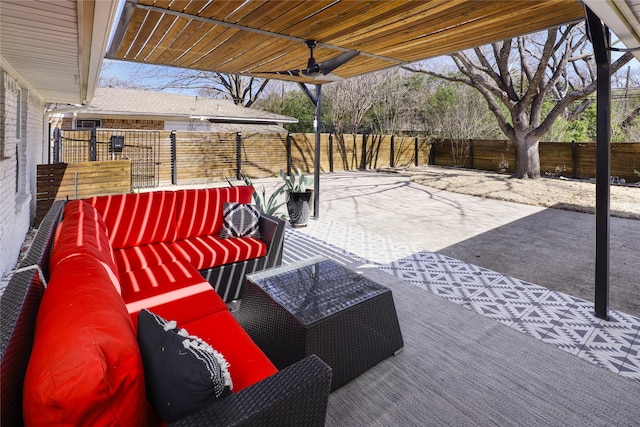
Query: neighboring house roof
point(137, 103)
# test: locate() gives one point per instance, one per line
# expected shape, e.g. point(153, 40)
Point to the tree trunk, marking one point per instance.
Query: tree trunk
point(527, 158)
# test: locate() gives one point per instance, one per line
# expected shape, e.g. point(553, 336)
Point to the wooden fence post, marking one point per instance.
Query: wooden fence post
point(363, 158)
point(432, 153)
point(239, 155)
point(574, 159)
point(174, 158)
point(392, 155)
point(471, 151)
point(330, 152)
point(57, 142)
point(93, 146)
point(289, 159)
point(415, 148)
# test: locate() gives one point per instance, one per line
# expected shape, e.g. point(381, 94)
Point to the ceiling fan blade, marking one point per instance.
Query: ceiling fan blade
point(330, 77)
point(319, 71)
point(331, 64)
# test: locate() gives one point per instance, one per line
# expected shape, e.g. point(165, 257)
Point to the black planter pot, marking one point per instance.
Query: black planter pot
point(299, 208)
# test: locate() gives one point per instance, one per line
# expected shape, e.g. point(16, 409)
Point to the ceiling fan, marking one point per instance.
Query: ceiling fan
point(319, 70)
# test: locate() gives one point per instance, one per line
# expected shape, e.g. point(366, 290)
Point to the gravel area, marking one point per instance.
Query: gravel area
point(560, 193)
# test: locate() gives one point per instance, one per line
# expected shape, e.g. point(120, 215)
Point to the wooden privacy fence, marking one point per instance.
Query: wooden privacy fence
point(205, 157)
point(165, 157)
point(199, 157)
point(60, 181)
point(568, 159)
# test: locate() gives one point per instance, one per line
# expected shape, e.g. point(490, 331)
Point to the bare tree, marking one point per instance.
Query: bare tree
point(242, 90)
point(397, 95)
point(455, 111)
point(517, 76)
point(117, 83)
point(350, 100)
point(107, 79)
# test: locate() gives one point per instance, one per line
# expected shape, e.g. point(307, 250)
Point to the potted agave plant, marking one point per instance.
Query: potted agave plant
point(299, 195)
point(266, 205)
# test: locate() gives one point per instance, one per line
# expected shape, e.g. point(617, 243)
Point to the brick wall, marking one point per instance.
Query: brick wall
point(67, 123)
point(19, 154)
point(36, 151)
point(132, 124)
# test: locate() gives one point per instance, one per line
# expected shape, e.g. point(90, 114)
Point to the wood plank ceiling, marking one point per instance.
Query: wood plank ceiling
point(253, 36)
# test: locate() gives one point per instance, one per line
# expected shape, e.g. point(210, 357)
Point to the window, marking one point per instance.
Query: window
point(21, 144)
point(88, 123)
point(19, 114)
point(18, 167)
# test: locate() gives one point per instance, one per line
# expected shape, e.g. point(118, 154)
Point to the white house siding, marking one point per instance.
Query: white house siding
point(190, 125)
point(20, 152)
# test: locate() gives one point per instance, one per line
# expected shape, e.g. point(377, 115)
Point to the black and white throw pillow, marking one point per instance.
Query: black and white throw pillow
point(240, 220)
point(182, 372)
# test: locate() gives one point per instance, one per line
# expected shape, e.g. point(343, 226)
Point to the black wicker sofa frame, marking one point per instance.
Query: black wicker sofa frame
point(296, 395)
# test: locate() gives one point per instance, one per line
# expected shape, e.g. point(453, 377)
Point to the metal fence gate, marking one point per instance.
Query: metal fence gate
point(141, 147)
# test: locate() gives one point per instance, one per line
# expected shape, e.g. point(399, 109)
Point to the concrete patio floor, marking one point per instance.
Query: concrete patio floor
point(383, 222)
point(548, 247)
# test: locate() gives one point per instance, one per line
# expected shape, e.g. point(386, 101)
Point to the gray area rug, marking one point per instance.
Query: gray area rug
point(461, 369)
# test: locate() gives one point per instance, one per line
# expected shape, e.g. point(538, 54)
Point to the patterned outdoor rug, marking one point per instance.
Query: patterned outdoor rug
point(553, 317)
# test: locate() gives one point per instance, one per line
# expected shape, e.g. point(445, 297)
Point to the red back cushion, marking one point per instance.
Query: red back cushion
point(199, 211)
point(82, 232)
point(85, 367)
point(138, 219)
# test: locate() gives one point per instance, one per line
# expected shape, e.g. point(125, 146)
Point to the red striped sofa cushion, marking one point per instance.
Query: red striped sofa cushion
point(82, 232)
point(147, 284)
point(175, 290)
point(137, 257)
point(199, 211)
point(138, 219)
point(211, 251)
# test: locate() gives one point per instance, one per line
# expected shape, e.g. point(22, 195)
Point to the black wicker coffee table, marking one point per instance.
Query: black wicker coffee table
point(317, 306)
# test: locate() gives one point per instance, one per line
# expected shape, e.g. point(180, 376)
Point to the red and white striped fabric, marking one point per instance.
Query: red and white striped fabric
point(175, 289)
point(128, 259)
point(211, 251)
point(151, 281)
point(138, 219)
point(199, 211)
point(82, 232)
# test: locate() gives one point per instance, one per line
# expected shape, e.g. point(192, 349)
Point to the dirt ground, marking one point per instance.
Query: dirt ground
point(561, 193)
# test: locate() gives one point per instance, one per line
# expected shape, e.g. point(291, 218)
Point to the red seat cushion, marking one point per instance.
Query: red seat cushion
point(184, 309)
point(82, 232)
point(138, 219)
point(154, 282)
point(199, 211)
point(211, 251)
point(85, 367)
point(137, 257)
point(247, 363)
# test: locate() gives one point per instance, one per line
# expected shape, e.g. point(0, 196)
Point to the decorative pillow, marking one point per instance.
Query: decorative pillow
point(240, 220)
point(182, 373)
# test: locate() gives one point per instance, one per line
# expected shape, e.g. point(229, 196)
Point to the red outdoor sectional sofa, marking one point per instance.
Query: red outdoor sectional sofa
point(177, 257)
